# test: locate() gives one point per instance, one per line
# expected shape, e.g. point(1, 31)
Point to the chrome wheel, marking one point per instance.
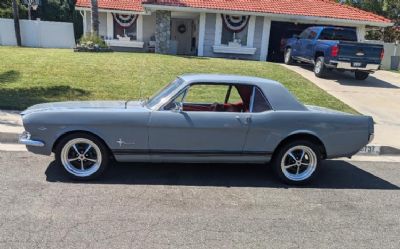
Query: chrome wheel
point(318, 66)
point(288, 56)
point(299, 163)
point(81, 157)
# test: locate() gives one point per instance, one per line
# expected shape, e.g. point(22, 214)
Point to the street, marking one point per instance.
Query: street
point(351, 205)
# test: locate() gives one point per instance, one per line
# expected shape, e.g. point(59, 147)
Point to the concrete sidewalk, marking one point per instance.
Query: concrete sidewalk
point(378, 96)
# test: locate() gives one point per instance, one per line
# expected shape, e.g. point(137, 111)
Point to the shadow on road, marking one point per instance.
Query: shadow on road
point(333, 174)
point(347, 79)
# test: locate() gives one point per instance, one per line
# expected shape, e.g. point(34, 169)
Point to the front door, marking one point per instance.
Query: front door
point(181, 33)
point(202, 130)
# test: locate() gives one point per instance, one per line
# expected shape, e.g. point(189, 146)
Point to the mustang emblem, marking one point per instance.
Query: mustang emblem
point(121, 142)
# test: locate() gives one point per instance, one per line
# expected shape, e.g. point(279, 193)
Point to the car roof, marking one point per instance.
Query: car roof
point(226, 78)
point(278, 96)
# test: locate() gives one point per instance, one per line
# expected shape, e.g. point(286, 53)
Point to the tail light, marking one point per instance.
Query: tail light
point(382, 53)
point(335, 51)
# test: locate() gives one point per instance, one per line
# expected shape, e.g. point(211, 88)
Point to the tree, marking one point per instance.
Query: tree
point(16, 22)
point(387, 8)
point(95, 18)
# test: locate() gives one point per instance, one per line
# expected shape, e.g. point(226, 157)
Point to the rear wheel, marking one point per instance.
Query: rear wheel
point(297, 162)
point(288, 56)
point(319, 67)
point(82, 156)
point(360, 75)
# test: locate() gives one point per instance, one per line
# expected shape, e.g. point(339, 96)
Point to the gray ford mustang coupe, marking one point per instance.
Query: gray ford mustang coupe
point(202, 118)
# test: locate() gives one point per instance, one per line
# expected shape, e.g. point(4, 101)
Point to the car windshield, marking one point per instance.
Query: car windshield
point(163, 93)
point(338, 34)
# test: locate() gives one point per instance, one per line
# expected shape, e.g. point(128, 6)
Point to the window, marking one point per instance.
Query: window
point(337, 34)
point(230, 36)
point(304, 34)
point(312, 35)
point(121, 31)
point(207, 94)
point(260, 103)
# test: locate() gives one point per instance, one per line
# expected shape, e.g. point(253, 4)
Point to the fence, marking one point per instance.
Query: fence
point(39, 34)
point(389, 52)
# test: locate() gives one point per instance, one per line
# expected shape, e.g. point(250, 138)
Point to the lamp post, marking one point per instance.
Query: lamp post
point(34, 4)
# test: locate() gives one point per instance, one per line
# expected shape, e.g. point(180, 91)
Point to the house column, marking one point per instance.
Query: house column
point(110, 26)
point(84, 23)
point(202, 31)
point(361, 33)
point(163, 31)
point(265, 39)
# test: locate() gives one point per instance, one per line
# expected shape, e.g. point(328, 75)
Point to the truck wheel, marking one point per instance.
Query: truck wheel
point(82, 156)
point(297, 162)
point(360, 75)
point(288, 56)
point(319, 67)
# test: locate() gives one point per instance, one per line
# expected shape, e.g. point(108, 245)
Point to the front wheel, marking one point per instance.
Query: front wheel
point(288, 56)
point(82, 156)
point(319, 67)
point(297, 162)
point(360, 75)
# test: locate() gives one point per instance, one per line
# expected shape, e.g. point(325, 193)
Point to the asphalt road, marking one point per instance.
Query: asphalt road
point(351, 205)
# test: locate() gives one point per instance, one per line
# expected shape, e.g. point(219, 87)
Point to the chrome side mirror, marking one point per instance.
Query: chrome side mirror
point(178, 107)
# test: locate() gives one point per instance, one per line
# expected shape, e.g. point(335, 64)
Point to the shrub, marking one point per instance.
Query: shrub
point(91, 43)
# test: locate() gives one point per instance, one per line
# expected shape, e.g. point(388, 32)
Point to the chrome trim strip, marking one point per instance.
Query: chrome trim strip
point(252, 99)
point(31, 142)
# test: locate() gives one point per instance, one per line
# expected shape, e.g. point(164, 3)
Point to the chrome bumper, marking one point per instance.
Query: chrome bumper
point(25, 138)
point(371, 137)
point(348, 66)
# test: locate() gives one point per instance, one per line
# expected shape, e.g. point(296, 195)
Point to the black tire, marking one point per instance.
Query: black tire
point(360, 75)
point(97, 146)
point(319, 67)
point(288, 59)
point(292, 175)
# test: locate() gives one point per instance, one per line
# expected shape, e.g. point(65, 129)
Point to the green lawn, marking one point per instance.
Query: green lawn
point(29, 76)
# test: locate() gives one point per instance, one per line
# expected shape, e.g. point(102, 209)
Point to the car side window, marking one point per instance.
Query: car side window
point(260, 104)
point(206, 94)
point(304, 34)
point(312, 35)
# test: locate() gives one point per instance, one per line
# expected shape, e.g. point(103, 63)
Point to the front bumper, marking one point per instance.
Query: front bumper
point(348, 66)
point(25, 138)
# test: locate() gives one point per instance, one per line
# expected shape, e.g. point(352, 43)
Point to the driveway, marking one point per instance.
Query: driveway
point(378, 96)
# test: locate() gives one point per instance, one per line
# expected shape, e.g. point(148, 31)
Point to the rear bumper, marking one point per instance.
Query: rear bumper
point(348, 66)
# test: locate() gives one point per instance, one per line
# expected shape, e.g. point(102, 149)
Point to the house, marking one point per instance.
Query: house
point(245, 29)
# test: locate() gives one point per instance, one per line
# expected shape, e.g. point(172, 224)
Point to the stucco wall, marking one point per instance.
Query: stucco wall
point(209, 40)
point(102, 23)
point(149, 27)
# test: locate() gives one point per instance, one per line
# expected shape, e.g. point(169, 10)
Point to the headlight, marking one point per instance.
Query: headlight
point(25, 135)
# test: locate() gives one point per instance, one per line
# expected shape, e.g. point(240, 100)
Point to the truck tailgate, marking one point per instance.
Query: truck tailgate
point(360, 52)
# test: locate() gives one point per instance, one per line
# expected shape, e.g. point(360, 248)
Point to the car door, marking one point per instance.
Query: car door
point(307, 45)
point(194, 132)
point(298, 46)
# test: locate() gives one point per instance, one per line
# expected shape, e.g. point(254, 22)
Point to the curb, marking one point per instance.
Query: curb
point(368, 150)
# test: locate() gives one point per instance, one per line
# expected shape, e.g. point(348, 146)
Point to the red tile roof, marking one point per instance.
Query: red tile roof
point(313, 8)
point(130, 5)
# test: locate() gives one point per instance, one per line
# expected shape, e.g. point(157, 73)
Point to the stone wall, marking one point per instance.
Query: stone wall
point(163, 31)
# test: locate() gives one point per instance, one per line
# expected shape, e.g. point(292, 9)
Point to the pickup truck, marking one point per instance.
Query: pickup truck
point(330, 48)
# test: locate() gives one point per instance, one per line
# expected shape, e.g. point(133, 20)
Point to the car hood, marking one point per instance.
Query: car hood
point(82, 105)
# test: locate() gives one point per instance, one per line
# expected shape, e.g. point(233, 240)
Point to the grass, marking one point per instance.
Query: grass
point(29, 76)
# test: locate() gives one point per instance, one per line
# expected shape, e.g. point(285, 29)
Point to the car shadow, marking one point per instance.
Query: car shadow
point(347, 79)
point(334, 174)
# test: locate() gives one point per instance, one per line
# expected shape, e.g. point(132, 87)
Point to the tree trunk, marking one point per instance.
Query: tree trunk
point(95, 18)
point(16, 22)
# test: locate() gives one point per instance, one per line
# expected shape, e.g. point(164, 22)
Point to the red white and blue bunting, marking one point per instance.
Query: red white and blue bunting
point(235, 23)
point(123, 20)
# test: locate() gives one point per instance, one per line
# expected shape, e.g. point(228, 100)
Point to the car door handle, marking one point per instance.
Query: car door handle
point(246, 121)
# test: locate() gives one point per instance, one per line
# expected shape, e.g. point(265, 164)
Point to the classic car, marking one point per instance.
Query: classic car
point(198, 118)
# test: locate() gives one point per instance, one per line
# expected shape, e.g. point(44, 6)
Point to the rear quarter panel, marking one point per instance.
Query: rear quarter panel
point(341, 134)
